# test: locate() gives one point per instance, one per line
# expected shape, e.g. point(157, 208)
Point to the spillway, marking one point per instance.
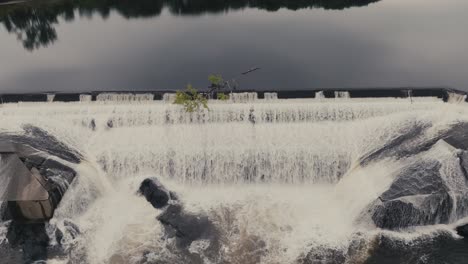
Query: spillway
point(282, 180)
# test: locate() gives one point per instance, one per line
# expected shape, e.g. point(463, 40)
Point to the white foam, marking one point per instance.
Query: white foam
point(281, 171)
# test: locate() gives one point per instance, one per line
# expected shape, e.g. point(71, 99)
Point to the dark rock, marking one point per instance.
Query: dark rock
point(457, 136)
point(155, 193)
point(418, 196)
point(187, 227)
point(435, 248)
point(71, 228)
point(252, 116)
point(110, 123)
point(33, 161)
point(8, 254)
point(30, 239)
point(463, 156)
point(400, 145)
point(462, 230)
point(401, 213)
point(41, 158)
point(4, 212)
point(58, 236)
point(92, 124)
point(417, 179)
point(323, 255)
point(36, 138)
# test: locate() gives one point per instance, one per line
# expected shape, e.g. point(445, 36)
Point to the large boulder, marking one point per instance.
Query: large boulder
point(416, 138)
point(431, 185)
point(429, 188)
point(35, 173)
point(418, 196)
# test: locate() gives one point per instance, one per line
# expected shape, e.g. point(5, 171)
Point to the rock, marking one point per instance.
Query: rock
point(462, 230)
point(434, 248)
point(155, 193)
point(463, 156)
point(323, 255)
point(30, 239)
point(110, 123)
point(4, 212)
point(457, 136)
point(418, 196)
point(414, 139)
point(92, 125)
point(37, 139)
point(71, 228)
point(187, 228)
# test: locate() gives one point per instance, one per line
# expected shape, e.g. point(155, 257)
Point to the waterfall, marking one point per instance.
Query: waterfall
point(124, 97)
point(282, 176)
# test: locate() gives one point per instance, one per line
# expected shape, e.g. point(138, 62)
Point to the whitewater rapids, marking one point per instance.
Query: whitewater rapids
point(279, 178)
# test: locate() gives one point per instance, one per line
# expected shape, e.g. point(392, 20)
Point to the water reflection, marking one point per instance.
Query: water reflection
point(33, 23)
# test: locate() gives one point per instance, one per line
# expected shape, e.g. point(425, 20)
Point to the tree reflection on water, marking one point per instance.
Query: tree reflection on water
point(34, 22)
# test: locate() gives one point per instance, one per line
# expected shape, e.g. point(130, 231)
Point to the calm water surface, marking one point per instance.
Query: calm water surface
point(157, 45)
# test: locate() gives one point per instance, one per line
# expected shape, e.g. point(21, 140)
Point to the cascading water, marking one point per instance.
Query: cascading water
point(283, 181)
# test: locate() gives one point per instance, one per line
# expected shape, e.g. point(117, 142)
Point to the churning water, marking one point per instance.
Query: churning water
point(281, 180)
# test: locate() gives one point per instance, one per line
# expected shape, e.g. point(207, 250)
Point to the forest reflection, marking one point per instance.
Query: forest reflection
point(34, 22)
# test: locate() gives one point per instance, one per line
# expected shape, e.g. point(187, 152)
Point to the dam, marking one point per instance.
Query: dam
point(332, 176)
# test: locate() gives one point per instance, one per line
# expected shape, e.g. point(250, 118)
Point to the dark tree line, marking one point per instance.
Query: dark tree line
point(33, 22)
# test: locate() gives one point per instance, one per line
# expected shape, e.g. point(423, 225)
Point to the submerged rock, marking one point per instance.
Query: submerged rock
point(37, 171)
point(40, 140)
point(431, 185)
point(417, 138)
point(186, 227)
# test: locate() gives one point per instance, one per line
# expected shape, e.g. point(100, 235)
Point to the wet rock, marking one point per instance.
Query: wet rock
point(463, 156)
point(4, 212)
point(36, 138)
point(462, 230)
point(418, 196)
point(402, 145)
point(323, 255)
point(457, 136)
point(41, 158)
point(185, 227)
point(70, 231)
point(30, 239)
point(425, 191)
point(33, 161)
point(155, 193)
point(433, 248)
point(8, 254)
